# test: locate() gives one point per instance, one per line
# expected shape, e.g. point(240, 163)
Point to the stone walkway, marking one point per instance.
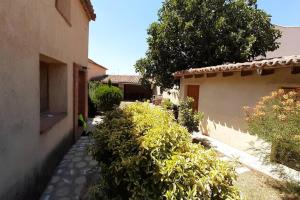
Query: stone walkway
point(71, 175)
point(273, 170)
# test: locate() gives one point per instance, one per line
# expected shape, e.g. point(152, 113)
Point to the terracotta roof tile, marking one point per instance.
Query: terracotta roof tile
point(88, 7)
point(279, 62)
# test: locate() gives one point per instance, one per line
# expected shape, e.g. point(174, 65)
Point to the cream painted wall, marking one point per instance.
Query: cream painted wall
point(29, 28)
point(222, 100)
point(95, 71)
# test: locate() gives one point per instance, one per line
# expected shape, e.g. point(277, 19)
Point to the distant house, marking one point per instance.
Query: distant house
point(222, 91)
point(289, 42)
point(43, 88)
point(129, 84)
point(95, 70)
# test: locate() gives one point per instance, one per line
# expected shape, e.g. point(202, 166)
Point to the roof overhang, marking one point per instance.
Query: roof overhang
point(88, 8)
point(267, 64)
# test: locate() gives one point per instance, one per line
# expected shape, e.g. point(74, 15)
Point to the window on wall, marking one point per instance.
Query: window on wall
point(64, 8)
point(53, 92)
point(294, 89)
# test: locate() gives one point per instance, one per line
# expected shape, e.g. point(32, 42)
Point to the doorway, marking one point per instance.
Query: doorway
point(193, 91)
point(80, 97)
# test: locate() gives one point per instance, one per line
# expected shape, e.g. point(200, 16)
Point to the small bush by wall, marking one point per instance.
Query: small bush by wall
point(144, 154)
point(188, 117)
point(106, 97)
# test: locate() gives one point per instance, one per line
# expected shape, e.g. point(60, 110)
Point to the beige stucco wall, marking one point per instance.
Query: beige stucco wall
point(95, 71)
point(222, 100)
point(27, 29)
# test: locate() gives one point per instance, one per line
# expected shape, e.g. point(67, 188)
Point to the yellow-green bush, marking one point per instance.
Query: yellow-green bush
point(144, 154)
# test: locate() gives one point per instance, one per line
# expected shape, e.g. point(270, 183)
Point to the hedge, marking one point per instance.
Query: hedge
point(144, 154)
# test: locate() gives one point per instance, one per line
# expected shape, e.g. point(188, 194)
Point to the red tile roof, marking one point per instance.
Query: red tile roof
point(129, 79)
point(280, 62)
point(88, 8)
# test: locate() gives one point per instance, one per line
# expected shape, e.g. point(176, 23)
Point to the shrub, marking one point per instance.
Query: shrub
point(276, 119)
point(188, 117)
point(106, 97)
point(166, 104)
point(92, 108)
point(144, 154)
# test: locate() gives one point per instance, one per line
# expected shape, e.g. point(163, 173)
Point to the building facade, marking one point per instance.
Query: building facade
point(222, 91)
point(43, 62)
point(95, 70)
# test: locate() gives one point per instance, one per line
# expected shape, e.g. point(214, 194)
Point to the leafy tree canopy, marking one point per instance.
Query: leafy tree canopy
point(200, 33)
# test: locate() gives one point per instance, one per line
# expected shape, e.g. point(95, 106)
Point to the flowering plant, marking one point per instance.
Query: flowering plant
point(276, 119)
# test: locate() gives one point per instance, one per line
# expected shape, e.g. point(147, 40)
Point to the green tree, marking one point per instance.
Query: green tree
point(200, 33)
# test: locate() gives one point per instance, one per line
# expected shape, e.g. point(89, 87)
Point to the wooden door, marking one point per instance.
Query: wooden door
point(193, 91)
point(80, 97)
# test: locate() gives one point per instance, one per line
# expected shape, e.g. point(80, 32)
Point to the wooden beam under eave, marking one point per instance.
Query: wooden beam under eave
point(210, 75)
point(226, 74)
point(177, 77)
point(295, 70)
point(246, 73)
point(266, 72)
point(199, 75)
point(188, 76)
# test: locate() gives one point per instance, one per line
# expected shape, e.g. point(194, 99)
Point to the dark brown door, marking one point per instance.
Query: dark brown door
point(193, 91)
point(79, 96)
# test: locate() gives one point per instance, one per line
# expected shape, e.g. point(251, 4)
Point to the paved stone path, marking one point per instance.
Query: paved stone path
point(70, 178)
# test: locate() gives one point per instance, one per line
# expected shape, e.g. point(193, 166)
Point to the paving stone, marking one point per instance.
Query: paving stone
point(93, 163)
point(55, 179)
point(65, 180)
point(46, 197)
point(63, 191)
point(49, 189)
point(81, 164)
point(70, 177)
point(88, 158)
point(76, 159)
point(80, 180)
point(242, 170)
point(64, 198)
point(78, 189)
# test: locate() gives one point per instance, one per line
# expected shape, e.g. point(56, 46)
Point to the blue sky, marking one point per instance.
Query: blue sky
point(118, 37)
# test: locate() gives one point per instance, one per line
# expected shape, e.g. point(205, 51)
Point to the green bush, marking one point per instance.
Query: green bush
point(144, 154)
point(276, 119)
point(92, 108)
point(106, 97)
point(166, 104)
point(188, 117)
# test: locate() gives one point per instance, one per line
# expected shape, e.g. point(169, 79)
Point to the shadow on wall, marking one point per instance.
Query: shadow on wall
point(235, 136)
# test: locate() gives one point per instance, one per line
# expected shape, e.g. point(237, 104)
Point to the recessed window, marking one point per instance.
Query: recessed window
point(64, 8)
point(53, 92)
